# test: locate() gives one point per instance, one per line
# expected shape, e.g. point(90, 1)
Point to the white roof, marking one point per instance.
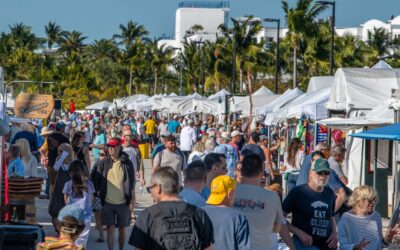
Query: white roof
point(280, 101)
point(99, 105)
point(381, 65)
point(221, 93)
point(319, 82)
point(381, 114)
point(242, 103)
point(197, 105)
point(263, 91)
point(311, 104)
point(133, 98)
point(362, 88)
point(173, 94)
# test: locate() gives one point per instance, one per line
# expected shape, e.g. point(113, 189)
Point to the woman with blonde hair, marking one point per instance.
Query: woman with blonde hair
point(197, 152)
point(28, 159)
point(361, 227)
point(293, 158)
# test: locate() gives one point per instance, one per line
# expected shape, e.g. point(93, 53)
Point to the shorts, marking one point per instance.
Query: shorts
point(115, 215)
point(52, 173)
point(96, 204)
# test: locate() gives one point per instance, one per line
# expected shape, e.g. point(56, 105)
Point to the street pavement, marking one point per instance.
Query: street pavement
point(143, 200)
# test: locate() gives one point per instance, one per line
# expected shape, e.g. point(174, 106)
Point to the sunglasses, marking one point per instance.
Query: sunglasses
point(373, 200)
point(324, 173)
point(150, 188)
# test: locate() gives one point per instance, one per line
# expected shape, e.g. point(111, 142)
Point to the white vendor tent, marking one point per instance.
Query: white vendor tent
point(356, 88)
point(103, 105)
point(242, 103)
point(222, 93)
point(280, 101)
point(319, 82)
point(381, 65)
point(196, 105)
point(263, 91)
point(129, 101)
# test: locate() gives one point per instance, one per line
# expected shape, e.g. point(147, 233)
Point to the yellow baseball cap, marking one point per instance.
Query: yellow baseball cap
point(220, 187)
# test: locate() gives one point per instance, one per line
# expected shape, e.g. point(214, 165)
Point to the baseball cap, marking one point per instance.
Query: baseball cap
point(114, 142)
point(235, 133)
point(320, 165)
point(190, 121)
point(263, 137)
point(220, 187)
point(175, 117)
point(226, 136)
point(73, 211)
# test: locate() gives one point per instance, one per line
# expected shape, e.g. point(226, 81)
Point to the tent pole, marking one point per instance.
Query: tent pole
point(375, 162)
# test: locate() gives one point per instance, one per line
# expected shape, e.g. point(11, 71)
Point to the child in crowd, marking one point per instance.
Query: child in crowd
point(79, 191)
point(70, 223)
point(14, 162)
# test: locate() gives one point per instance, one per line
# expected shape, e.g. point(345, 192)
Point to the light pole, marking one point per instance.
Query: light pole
point(202, 66)
point(278, 23)
point(333, 4)
point(234, 64)
point(180, 70)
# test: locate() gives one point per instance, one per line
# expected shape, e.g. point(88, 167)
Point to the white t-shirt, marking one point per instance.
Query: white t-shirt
point(132, 156)
point(196, 155)
point(163, 128)
point(262, 209)
point(298, 161)
point(188, 138)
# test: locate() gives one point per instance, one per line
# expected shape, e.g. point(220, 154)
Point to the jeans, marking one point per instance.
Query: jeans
point(291, 181)
point(300, 246)
point(47, 186)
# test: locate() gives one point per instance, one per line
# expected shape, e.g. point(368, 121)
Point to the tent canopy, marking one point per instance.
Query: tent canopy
point(99, 105)
point(221, 93)
point(280, 101)
point(391, 132)
point(381, 65)
point(263, 91)
point(319, 82)
point(356, 88)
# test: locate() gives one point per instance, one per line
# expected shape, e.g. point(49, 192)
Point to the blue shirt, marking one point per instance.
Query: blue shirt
point(192, 197)
point(172, 125)
point(205, 193)
point(231, 229)
point(16, 168)
point(98, 140)
point(83, 202)
point(231, 156)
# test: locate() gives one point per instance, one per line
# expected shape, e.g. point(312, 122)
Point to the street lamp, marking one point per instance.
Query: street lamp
point(278, 23)
point(333, 4)
point(180, 69)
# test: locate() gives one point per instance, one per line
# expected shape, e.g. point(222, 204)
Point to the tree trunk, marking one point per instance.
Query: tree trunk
point(155, 82)
point(130, 81)
point(241, 80)
point(249, 92)
point(294, 67)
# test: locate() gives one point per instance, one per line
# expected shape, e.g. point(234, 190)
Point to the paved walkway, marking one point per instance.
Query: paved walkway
point(143, 200)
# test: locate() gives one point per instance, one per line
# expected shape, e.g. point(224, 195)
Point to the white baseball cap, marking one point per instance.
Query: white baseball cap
point(235, 133)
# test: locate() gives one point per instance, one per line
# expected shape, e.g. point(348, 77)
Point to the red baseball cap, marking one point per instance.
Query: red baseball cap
point(114, 142)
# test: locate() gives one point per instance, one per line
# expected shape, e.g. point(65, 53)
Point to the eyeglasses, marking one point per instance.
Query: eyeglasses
point(324, 173)
point(373, 200)
point(150, 188)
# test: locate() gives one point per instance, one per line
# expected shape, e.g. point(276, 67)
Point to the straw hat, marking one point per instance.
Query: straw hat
point(46, 131)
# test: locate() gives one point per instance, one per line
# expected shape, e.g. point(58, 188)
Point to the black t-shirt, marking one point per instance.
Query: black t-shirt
point(54, 141)
point(311, 212)
point(144, 233)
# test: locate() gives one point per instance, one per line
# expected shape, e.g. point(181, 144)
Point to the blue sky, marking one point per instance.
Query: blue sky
point(101, 18)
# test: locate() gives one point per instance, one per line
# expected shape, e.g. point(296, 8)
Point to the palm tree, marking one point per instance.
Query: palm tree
point(22, 37)
point(54, 34)
point(379, 40)
point(130, 33)
point(72, 42)
point(244, 33)
point(301, 24)
point(100, 49)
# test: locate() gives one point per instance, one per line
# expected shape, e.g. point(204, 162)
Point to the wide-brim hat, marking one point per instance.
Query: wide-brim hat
point(46, 131)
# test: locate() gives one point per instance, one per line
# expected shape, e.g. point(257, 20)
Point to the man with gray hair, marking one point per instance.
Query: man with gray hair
point(170, 223)
point(338, 154)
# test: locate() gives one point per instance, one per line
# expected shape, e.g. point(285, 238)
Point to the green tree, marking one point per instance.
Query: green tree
point(54, 34)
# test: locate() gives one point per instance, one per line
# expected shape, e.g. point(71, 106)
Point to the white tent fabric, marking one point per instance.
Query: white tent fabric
point(99, 105)
point(362, 88)
point(222, 93)
point(381, 65)
point(242, 103)
point(380, 115)
point(280, 101)
point(319, 82)
point(196, 105)
point(170, 102)
point(120, 102)
point(173, 94)
point(130, 100)
point(263, 91)
point(312, 104)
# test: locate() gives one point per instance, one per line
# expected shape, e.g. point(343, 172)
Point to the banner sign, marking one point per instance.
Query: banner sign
point(33, 106)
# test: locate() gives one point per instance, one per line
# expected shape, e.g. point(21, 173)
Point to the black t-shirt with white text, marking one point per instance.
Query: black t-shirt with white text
point(311, 212)
point(145, 233)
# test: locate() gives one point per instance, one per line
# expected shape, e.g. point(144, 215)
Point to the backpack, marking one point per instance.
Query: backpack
point(177, 232)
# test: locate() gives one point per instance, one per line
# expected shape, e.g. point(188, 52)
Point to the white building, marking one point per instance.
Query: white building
point(207, 14)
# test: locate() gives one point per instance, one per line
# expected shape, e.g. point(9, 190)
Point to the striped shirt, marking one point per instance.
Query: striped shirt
point(352, 229)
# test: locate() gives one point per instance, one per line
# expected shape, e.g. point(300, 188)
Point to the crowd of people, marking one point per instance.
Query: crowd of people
point(213, 187)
